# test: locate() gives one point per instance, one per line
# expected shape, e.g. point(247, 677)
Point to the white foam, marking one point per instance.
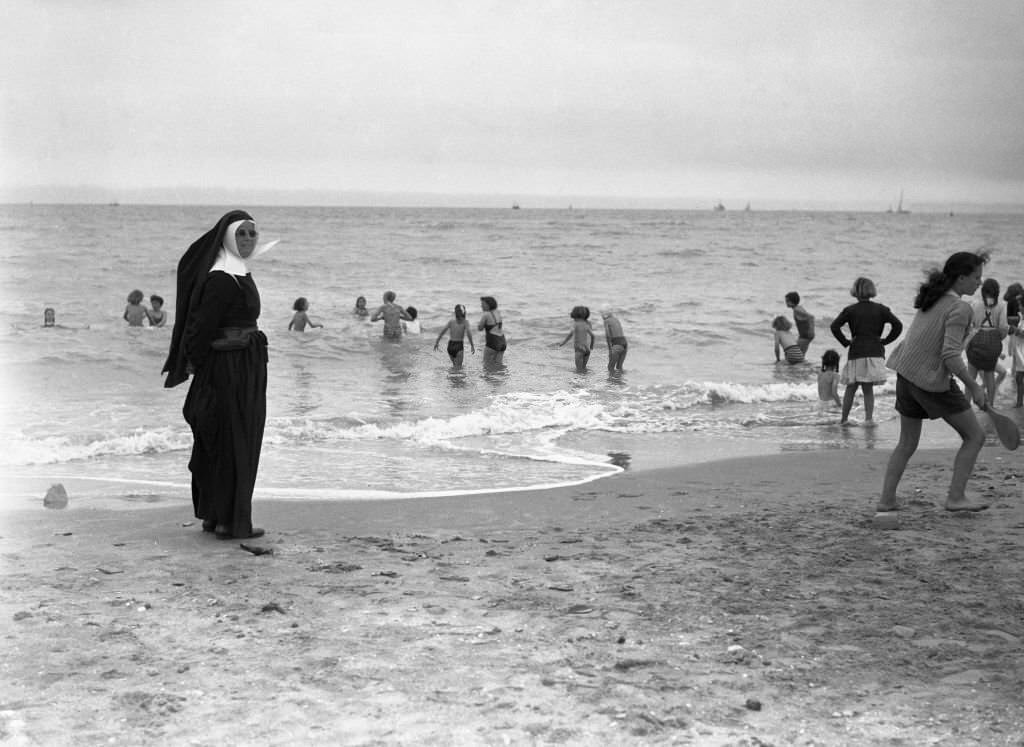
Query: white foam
point(23, 450)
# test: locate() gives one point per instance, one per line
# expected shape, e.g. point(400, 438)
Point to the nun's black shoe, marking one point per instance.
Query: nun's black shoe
point(224, 534)
point(209, 525)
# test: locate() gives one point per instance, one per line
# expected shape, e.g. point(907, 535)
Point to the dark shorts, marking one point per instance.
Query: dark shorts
point(914, 402)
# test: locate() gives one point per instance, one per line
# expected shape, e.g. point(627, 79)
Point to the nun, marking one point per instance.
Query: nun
point(217, 342)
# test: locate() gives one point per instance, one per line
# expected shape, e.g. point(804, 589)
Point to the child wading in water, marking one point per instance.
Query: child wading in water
point(785, 342)
point(457, 329)
point(157, 315)
point(804, 321)
point(617, 344)
point(360, 307)
point(582, 336)
point(828, 378)
point(300, 320)
point(412, 325)
point(135, 313)
point(393, 316)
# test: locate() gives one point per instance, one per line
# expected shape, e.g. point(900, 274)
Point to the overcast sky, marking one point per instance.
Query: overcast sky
point(797, 100)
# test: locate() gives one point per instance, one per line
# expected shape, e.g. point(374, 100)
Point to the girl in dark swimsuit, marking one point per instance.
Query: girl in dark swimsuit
point(457, 329)
point(494, 337)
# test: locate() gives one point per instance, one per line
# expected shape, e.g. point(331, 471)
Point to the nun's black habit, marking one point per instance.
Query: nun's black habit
point(226, 405)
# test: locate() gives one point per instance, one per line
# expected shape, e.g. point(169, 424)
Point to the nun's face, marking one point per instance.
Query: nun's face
point(245, 239)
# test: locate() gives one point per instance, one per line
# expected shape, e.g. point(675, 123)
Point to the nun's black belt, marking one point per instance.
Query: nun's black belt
point(234, 338)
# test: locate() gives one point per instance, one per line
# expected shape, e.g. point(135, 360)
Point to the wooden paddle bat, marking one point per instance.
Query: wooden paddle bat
point(1006, 429)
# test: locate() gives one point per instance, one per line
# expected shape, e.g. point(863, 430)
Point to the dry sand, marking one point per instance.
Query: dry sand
point(744, 602)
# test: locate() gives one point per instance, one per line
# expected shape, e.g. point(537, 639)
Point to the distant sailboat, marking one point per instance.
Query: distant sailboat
point(719, 207)
point(899, 206)
point(747, 208)
point(515, 205)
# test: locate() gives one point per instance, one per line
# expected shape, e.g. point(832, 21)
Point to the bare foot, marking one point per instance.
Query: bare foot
point(964, 505)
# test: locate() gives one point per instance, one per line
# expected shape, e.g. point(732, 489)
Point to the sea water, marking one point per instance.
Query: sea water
point(353, 416)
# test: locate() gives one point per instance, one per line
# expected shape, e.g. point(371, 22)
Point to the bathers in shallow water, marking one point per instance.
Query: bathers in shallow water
point(455, 347)
point(620, 341)
point(794, 354)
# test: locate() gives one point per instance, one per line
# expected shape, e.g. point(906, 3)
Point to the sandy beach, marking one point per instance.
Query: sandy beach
point(741, 602)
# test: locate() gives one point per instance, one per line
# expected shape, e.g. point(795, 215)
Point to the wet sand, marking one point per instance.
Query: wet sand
point(750, 601)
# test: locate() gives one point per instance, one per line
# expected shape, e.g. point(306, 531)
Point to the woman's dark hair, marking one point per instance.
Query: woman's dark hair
point(301, 304)
point(489, 302)
point(990, 289)
point(1012, 298)
point(940, 281)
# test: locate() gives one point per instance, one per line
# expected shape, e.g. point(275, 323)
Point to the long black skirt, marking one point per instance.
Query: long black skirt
point(226, 407)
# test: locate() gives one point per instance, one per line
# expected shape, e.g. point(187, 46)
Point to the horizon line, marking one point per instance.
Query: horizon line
point(95, 195)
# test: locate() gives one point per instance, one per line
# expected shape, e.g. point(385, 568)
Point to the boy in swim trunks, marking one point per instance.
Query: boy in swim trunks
point(457, 329)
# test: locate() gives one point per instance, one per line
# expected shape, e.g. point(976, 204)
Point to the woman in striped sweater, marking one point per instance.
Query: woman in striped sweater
point(926, 362)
